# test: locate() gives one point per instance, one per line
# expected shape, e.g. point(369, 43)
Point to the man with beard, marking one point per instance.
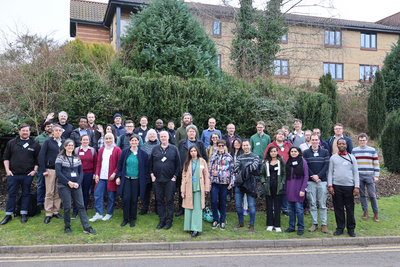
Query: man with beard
point(78, 132)
point(180, 134)
point(307, 144)
point(62, 120)
point(92, 126)
point(230, 136)
point(143, 129)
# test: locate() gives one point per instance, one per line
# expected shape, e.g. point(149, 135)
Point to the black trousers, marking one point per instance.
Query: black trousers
point(130, 194)
point(147, 195)
point(178, 185)
point(165, 200)
point(276, 201)
point(344, 198)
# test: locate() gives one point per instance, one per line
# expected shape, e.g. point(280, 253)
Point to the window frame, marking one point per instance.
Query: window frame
point(220, 30)
point(372, 74)
point(286, 38)
point(334, 76)
point(281, 73)
point(328, 32)
point(370, 47)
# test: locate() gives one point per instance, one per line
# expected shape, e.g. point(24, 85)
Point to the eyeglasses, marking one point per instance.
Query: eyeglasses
point(221, 145)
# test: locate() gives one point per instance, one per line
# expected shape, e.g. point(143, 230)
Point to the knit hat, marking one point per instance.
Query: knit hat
point(117, 115)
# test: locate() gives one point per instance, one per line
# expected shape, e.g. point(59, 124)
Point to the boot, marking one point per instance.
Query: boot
point(240, 225)
point(365, 216)
point(376, 217)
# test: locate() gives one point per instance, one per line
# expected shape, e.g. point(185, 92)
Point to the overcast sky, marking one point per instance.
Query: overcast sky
point(51, 17)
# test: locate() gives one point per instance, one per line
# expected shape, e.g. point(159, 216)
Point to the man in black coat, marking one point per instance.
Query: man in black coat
point(230, 136)
point(83, 129)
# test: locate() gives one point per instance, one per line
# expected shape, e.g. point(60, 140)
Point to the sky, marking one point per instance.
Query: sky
point(51, 17)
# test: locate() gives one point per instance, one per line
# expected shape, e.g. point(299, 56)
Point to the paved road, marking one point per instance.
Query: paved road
point(377, 256)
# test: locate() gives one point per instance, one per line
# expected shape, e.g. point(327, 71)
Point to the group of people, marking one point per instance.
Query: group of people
point(296, 169)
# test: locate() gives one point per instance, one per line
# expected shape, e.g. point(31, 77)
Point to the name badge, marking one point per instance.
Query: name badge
point(73, 174)
point(163, 159)
point(25, 145)
point(294, 163)
point(366, 154)
point(63, 130)
point(282, 149)
point(75, 160)
point(140, 133)
point(201, 166)
point(81, 153)
point(258, 143)
point(31, 149)
point(345, 163)
point(316, 154)
point(277, 168)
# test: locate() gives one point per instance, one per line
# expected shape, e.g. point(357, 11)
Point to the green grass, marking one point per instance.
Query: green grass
point(35, 232)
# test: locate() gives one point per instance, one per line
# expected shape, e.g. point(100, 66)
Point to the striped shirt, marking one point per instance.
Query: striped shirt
point(367, 160)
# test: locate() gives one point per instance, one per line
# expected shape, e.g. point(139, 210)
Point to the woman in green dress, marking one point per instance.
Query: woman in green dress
point(195, 185)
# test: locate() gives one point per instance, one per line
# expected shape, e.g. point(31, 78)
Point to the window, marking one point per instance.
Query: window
point(219, 60)
point(333, 38)
point(217, 28)
point(124, 24)
point(284, 38)
point(281, 67)
point(336, 70)
point(368, 40)
point(367, 73)
point(111, 34)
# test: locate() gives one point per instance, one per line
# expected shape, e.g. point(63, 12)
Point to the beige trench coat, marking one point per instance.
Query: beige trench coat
point(186, 186)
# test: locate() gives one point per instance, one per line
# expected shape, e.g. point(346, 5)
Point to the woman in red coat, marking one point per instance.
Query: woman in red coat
point(105, 172)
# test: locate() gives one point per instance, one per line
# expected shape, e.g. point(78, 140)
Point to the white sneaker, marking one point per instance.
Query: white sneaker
point(96, 217)
point(278, 230)
point(107, 217)
point(270, 228)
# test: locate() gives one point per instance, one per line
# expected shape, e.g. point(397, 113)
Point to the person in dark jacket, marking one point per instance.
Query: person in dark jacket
point(92, 126)
point(70, 174)
point(123, 140)
point(171, 131)
point(20, 162)
point(230, 136)
point(183, 148)
point(132, 178)
point(247, 160)
point(47, 158)
point(143, 129)
point(332, 141)
point(83, 129)
point(165, 167)
point(273, 178)
point(118, 125)
point(322, 142)
point(62, 121)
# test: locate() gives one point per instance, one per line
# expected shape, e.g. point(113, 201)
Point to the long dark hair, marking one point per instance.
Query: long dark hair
point(211, 141)
point(64, 152)
point(268, 156)
point(113, 131)
point(189, 157)
point(240, 151)
point(297, 169)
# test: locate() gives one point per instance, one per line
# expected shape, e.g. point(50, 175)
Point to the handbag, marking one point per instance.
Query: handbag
point(208, 215)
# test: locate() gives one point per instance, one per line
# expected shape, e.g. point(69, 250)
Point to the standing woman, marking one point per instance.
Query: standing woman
point(70, 175)
point(213, 148)
point(296, 183)
point(109, 129)
point(88, 156)
point(195, 184)
point(105, 174)
point(132, 177)
point(273, 177)
point(236, 151)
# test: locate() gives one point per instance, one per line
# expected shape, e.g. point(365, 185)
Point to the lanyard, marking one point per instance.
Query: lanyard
point(349, 160)
point(164, 151)
point(71, 165)
point(194, 169)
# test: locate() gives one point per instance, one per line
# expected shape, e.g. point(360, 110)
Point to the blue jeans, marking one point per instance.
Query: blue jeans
point(99, 194)
point(41, 188)
point(86, 187)
point(13, 183)
point(296, 208)
point(239, 207)
point(220, 190)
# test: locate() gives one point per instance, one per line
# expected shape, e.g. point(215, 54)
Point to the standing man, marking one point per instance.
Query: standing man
point(244, 161)
point(20, 162)
point(230, 136)
point(143, 129)
point(368, 170)
point(285, 128)
point(47, 162)
point(222, 177)
point(297, 137)
point(41, 188)
point(183, 148)
point(62, 120)
point(343, 185)
point(159, 126)
point(92, 126)
point(123, 140)
point(318, 163)
point(181, 133)
point(118, 125)
point(332, 141)
point(164, 167)
point(78, 132)
point(171, 130)
point(205, 136)
point(307, 144)
point(322, 143)
point(258, 144)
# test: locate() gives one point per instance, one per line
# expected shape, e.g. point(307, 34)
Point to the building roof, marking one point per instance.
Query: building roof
point(393, 20)
point(87, 10)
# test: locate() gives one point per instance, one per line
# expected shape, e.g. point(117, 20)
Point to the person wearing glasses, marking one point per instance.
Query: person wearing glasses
point(123, 140)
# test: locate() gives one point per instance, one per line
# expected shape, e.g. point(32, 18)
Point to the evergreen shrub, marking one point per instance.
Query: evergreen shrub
point(376, 106)
point(390, 141)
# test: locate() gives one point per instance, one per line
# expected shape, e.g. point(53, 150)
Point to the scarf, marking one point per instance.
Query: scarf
point(297, 169)
point(110, 147)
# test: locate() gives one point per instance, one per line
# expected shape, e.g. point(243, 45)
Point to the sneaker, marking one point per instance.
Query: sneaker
point(270, 228)
point(222, 226)
point(285, 212)
point(240, 225)
point(215, 224)
point(289, 230)
point(96, 217)
point(67, 230)
point(278, 229)
point(245, 212)
point(107, 217)
point(90, 230)
point(74, 215)
point(313, 228)
point(300, 232)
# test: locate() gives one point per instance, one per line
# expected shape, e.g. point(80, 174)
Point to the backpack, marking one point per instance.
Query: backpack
point(91, 149)
point(33, 207)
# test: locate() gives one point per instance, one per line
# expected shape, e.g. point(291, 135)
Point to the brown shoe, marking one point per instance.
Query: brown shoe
point(324, 229)
point(306, 212)
point(376, 217)
point(365, 216)
point(313, 228)
point(251, 229)
point(240, 225)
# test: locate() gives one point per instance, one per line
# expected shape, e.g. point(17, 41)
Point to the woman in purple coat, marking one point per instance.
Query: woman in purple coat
point(296, 183)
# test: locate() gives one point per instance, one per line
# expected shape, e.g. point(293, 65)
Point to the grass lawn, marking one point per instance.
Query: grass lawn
point(35, 232)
